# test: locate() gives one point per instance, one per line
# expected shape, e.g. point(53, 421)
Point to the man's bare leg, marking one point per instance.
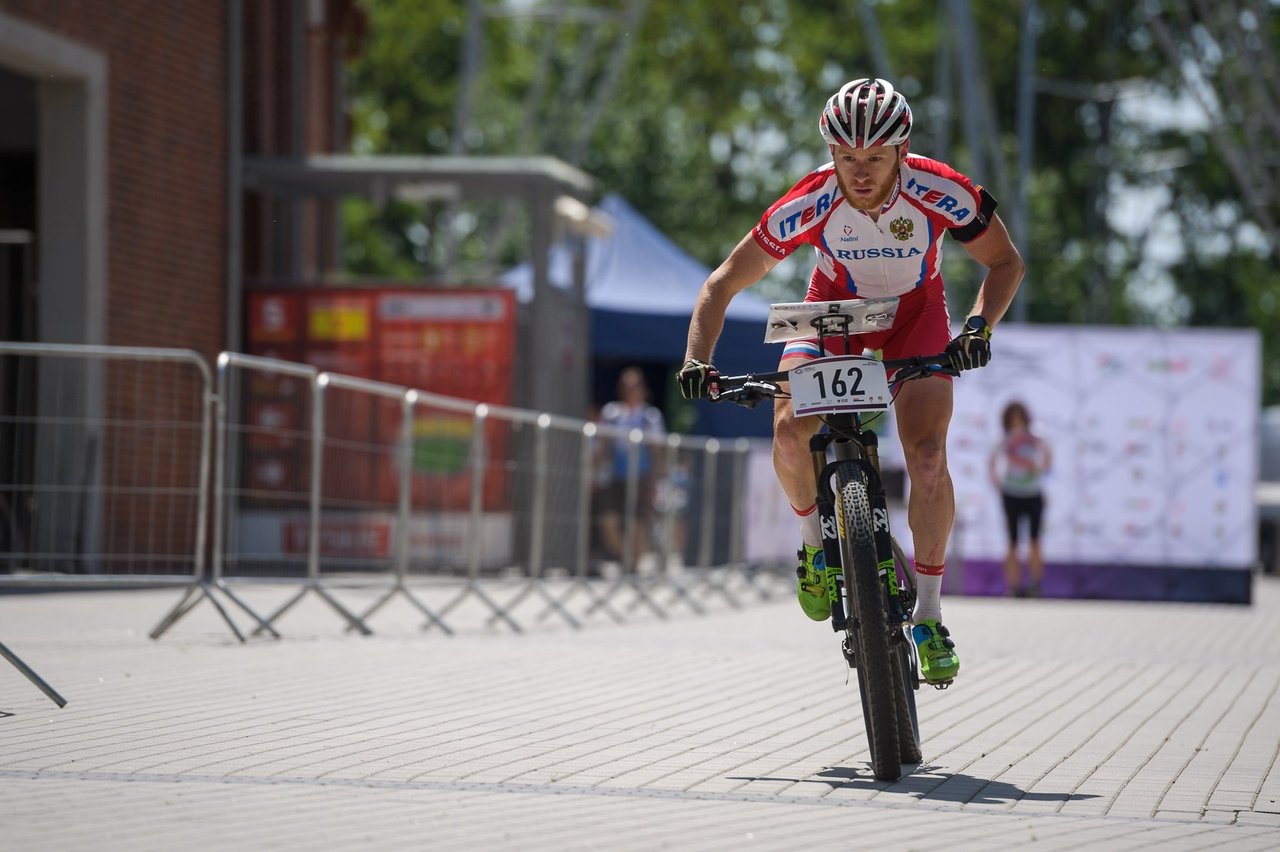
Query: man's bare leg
point(792, 461)
point(923, 415)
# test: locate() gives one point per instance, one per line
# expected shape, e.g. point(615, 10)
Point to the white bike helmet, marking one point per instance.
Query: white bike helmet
point(865, 113)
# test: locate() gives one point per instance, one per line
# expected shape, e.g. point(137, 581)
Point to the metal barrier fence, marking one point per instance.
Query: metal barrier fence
point(105, 470)
point(326, 482)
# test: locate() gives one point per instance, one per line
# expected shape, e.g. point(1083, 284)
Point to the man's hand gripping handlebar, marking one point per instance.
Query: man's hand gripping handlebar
point(698, 380)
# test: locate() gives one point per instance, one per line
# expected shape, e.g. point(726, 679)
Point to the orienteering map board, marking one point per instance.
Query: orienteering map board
point(1154, 442)
point(794, 320)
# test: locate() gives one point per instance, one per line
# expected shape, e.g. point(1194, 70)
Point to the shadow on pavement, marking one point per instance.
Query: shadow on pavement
point(922, 782)
point(947, 787)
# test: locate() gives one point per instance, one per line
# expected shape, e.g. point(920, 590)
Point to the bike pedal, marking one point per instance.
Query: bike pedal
point(941, 684)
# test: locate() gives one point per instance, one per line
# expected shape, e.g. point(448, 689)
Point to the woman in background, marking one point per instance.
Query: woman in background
point(1018, 464)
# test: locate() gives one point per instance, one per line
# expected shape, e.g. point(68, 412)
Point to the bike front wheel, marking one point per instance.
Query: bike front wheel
point(868, 620)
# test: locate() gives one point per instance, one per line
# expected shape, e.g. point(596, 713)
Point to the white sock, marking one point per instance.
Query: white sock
point(810, 525)
point(928, 592)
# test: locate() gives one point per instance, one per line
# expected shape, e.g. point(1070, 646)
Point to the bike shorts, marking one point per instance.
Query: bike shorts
point(922, 326)
point(1016, 508)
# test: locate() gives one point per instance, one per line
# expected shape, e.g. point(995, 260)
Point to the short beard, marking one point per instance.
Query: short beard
point(881, 197)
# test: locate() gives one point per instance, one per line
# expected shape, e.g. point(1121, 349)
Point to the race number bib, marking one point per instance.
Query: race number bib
point(842, 383)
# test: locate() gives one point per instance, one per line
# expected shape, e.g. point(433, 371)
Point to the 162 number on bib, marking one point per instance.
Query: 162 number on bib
point(841, 383)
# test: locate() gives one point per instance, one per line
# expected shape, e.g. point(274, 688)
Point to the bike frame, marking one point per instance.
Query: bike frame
point(852, 442)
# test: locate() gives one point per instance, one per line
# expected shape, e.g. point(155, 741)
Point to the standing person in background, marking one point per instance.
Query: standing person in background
point(1018, 464)
point(631, 410)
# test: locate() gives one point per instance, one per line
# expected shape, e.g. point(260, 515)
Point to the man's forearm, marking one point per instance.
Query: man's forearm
point(704, 328)
point(997, 290)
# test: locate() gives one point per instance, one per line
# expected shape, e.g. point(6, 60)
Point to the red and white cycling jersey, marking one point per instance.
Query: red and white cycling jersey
point(870, 259)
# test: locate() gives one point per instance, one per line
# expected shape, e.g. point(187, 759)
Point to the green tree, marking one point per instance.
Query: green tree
point(713, 117)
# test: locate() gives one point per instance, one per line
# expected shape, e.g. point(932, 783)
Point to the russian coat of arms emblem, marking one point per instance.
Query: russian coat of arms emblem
point(901, 228)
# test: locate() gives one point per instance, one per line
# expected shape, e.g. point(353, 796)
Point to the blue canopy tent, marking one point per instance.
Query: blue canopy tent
point(640, 290)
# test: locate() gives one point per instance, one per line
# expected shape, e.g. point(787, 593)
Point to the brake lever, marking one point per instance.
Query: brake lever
point(748, 394)
point(907, 374)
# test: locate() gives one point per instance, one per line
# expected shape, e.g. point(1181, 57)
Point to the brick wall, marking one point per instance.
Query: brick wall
point(167, 162)
point(167, 220)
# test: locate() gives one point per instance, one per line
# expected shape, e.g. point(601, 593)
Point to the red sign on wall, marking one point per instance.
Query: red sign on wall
point(456, 343)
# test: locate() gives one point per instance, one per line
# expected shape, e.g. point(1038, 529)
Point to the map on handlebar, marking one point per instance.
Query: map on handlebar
point(795, 320)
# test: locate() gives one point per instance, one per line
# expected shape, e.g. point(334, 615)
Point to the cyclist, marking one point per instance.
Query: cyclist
point(876, 216)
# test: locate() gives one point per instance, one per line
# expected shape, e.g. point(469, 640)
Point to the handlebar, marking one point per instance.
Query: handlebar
point(750, 389)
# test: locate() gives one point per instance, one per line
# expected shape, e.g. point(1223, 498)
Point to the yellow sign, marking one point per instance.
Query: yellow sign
point(338, 323)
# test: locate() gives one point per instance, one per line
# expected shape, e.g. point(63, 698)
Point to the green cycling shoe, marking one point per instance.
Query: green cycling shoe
point(811, 587)
point(938, 661)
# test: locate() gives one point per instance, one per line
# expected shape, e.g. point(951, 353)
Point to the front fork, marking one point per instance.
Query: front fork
point(869, 459)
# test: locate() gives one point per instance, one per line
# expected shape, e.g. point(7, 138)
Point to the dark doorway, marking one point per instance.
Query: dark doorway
point(17, 155)
point(17, 309)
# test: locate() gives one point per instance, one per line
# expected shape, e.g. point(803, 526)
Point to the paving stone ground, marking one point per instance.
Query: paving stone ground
point(1073, 725)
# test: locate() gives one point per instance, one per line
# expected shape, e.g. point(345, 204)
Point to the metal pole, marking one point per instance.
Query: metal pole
point(32, 676)
point(406, 485)
point(537, 534)
point(586, 480)
point(317, 472)
point(231, 465)
point(220, 468)
point(629, 555)
point(477, 490)
point(202, 499)
point(707, 533)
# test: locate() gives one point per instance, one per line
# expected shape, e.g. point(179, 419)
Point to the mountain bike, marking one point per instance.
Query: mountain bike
point(873, 592)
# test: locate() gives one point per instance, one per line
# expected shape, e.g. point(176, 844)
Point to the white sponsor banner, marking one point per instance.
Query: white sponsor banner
point(1153, 435)
point(438, 537)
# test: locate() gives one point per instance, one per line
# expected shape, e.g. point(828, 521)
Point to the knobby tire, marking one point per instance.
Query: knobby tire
point(876, 679)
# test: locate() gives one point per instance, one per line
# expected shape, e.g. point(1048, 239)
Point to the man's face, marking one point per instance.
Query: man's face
point(867, 175)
